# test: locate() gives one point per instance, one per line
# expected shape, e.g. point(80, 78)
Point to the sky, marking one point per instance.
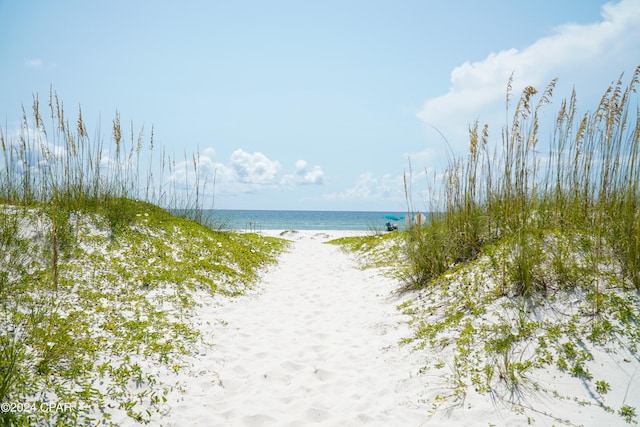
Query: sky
point(313, 105)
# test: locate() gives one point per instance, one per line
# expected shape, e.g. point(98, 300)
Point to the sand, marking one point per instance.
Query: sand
point(317, 342)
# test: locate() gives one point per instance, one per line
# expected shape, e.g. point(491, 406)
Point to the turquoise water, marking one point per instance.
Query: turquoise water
point(301, 220)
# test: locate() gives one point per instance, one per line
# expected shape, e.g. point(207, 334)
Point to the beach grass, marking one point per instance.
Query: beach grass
point(528, 227)
point(532, 261)
point(98, 282)
point(584, 187)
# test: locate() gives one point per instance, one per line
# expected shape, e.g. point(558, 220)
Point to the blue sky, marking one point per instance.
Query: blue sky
point(308, 105)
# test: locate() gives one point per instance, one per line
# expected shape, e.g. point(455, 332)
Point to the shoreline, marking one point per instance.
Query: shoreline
point(321, 233)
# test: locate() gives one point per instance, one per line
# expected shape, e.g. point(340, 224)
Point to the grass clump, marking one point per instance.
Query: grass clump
point(533, 260)
point(585, 188)
point(98, 288)
point(375, 250)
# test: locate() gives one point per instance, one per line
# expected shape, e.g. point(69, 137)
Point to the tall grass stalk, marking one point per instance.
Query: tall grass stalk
point(59, 170)
point(585, 186)
point(62, 162)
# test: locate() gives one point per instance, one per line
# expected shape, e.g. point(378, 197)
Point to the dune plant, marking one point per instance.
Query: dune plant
point(549, 215)
point(60, 163)
point(584, 187)
point(96, 274)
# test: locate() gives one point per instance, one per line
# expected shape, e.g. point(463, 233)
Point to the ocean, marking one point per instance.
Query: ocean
point(257, 220)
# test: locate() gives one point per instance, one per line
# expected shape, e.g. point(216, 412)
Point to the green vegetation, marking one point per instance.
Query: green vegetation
point(533, 261)
point(521, 232)
point(583, 192)
point(97, 288)
point(376, 250)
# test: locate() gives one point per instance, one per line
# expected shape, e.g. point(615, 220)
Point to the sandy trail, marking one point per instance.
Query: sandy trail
point(317, 344)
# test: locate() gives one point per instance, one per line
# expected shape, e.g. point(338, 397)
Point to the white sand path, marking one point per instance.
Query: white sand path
point(317, 344)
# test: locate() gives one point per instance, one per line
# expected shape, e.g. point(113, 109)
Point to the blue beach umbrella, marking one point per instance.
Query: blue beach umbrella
point(391, 217)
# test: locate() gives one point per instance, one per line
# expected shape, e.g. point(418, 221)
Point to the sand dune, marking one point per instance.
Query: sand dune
point(317, 343)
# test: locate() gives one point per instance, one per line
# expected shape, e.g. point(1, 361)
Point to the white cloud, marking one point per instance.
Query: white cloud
point(34, 63)
point(200, 168)
point(254, 168)
point(243, 173)
point(29, 148)
point(598, 52)
point(303, 176)
point(368, 187)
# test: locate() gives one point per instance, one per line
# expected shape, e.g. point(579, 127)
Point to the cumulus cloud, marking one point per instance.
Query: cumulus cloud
point(254, 168)
point(368, 187)
point(598, 51)
point(29, 148)
point(244, 172)
point(303, 176)
point(201, 168)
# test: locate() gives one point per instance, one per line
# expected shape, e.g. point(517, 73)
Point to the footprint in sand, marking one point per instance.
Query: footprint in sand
point(307, 349)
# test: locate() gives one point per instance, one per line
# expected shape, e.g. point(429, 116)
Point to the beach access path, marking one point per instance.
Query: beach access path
point(315, 343)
